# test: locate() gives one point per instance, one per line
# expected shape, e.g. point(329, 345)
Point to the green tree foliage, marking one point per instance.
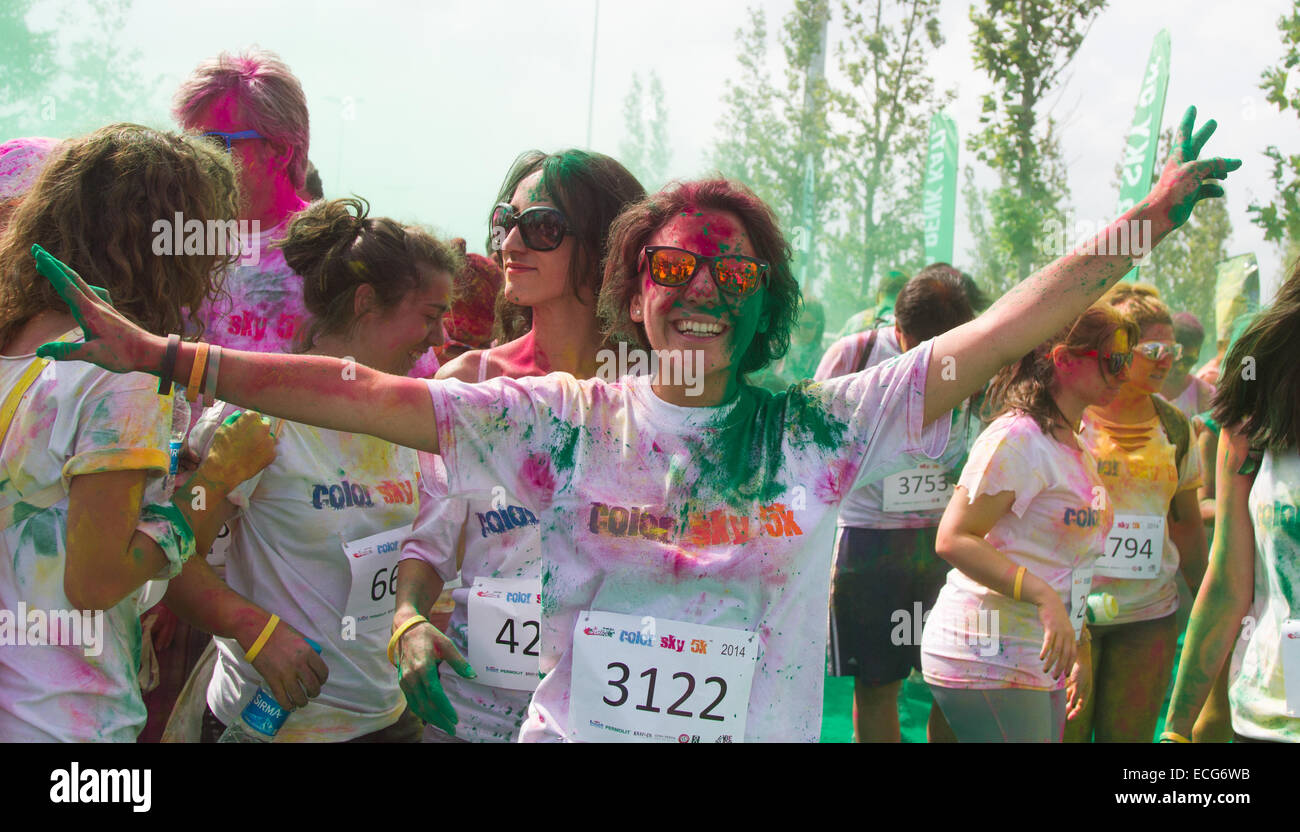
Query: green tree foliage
point(71, 80)
point(1023, 46)
point(644, 149)
point(879, 158)
point(1280, 217)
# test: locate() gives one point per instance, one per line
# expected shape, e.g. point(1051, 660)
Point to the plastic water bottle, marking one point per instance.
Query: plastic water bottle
point(180, 425)
point(262, 718)
point(1102, 608)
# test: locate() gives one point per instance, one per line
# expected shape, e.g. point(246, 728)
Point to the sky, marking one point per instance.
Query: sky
point(421, 106)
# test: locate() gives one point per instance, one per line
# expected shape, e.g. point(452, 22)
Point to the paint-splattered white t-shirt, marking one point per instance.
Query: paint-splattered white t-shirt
point(76, 419)
point(501, 541)
point(1258, 695)
point(864, 508)
point(721, 516)
point(262, 308)
point(980, 639)
point(286, 554)
point(1138, 465)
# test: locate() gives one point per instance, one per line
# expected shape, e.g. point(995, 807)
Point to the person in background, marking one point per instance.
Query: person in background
point(885, 560)
point(1150, 467)
point(883, 312)
point(1191, 395)
point(1005, 649)
point(469, 323)
point(315, 536)
point(550, 224)
point(86, 511)
point(1255, 557)
point(254, 108)
point(21, 162)
point(805, 352)
point(312, 189)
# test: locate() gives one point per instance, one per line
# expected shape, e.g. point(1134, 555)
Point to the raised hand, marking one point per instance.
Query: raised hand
point(1182, 182)
point(112, 342)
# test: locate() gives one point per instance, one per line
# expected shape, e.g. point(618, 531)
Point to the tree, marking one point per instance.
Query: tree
point(644, 149)
point(72, 80)
point(28, 58)
point(1280, 217)
point(887, 102)
point(1024, 46)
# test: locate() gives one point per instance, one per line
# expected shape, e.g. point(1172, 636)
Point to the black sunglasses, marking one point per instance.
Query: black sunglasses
point(733, 274)
point(224, 139)
point(542, 228)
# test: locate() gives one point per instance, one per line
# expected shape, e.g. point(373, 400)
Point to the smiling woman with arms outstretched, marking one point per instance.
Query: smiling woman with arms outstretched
point(704, 519)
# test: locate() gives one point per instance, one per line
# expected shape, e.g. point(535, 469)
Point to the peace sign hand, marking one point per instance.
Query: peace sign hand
point(112, 342)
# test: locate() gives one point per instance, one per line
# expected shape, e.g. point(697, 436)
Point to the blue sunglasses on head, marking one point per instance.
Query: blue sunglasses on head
point(224, 139)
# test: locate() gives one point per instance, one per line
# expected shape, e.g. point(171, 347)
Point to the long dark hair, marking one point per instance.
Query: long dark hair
point(1259, 383)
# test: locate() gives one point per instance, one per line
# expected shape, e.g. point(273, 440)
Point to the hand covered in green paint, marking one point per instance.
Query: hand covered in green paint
point(419, 652)
point(112, 341)
point(241, 447)
point(1183, 181)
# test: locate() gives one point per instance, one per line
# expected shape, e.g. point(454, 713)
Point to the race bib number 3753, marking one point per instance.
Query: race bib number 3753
point(644, 679)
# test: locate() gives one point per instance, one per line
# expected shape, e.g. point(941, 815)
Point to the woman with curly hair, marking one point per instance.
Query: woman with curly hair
point(678, 515)
point(85, 517)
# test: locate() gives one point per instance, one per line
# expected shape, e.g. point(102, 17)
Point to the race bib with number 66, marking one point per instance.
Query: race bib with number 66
point(644, 679)
point(373, 562)
point(504, 631)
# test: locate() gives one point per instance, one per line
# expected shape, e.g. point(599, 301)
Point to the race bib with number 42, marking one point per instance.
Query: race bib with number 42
point(1134, 547)
point(504, 631)
point(373, 561)
point(645, 679)
point(923, 488)
point(1080, 586)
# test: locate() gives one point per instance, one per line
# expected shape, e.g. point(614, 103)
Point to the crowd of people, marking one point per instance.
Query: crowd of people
point(347, 481)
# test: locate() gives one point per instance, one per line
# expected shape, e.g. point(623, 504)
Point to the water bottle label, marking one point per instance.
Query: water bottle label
point(175, 456)
point(263, 714)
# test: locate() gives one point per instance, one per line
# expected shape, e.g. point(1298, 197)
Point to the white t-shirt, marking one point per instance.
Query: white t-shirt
point(77, 419)
point(1053, 528)
point(864, 508)
point(286, 554)
point(1137, 463)
point(722, 516)
point(261, 308)
point(1258, 695)
point(501, 541)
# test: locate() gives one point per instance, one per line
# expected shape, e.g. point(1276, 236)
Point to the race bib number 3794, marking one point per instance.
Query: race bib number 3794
point(645, 679)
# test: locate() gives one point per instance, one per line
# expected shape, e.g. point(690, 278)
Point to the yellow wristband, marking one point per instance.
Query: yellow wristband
point(1176, 737)
point(1020, 579)
point(400, 631)
point(194, 390)
point(262, 639)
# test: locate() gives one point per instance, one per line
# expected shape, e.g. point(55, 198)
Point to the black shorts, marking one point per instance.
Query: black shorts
point(883, 578)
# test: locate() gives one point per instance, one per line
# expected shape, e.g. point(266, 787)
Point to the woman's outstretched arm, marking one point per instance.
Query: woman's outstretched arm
point(966, 357)
point(316, 390)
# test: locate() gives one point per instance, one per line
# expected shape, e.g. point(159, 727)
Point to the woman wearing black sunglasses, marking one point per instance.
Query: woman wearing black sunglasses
point(549, 224)
point(686, 538)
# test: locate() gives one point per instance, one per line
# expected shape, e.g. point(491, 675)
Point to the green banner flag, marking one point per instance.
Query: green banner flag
point(1236, 293)
point(1144, 136)
point(939, 208)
